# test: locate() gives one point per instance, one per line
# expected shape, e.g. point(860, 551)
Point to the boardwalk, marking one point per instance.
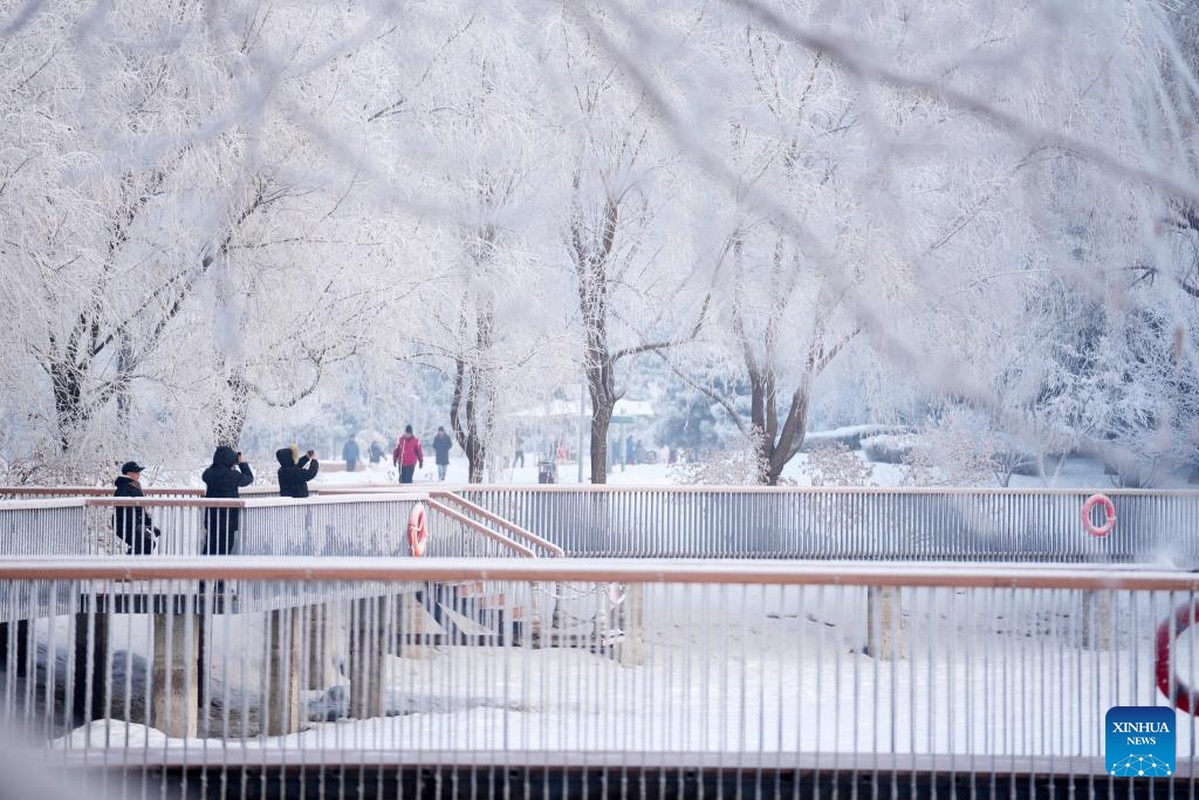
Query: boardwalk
point(790, 670)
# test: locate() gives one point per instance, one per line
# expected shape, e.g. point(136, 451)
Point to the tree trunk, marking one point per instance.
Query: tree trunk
point(601, 419)
point(777, 446)
point(463, 420)
point(68, 407)
point(472, 403)
point(233, 409)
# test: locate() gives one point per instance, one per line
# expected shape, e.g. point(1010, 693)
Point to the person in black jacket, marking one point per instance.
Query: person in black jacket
point(441, 451)
point(227, 473)
point(132, 524)
point(294, 475)
point(349, 453)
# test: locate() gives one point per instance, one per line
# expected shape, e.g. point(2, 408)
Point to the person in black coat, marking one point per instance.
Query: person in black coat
point(349, 453)
point(293, 475)
point(132, 524)
point(227, 473)
point(441, 451)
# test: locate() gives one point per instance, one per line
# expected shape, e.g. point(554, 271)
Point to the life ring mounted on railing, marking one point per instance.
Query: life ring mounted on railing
point(418, 530)
point(1109, 510)
point(1180, 694)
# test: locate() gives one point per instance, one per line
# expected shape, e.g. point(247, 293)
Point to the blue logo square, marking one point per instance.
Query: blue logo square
point(1140, 741)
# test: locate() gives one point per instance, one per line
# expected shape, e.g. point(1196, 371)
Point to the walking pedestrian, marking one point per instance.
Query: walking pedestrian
point(408, 455)
point(441, 451)
point(349, 453)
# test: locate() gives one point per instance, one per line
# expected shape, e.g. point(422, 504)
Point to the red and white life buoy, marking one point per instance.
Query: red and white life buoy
point(418, 531)
point(1181, 695)
point(1109, 510)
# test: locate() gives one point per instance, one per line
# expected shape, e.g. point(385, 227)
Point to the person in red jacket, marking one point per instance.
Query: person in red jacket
point(408, 455)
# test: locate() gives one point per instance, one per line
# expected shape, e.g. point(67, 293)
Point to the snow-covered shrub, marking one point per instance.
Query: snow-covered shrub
point(738, 464)
point(1009, 459)
point(853, 436)
point(1134, 471)
point(888, 448)
point(951, 456)
point(836, 465)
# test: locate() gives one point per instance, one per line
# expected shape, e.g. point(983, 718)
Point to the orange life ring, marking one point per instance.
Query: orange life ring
point(1109, 510)
point(1182, 696)
point(418, 531)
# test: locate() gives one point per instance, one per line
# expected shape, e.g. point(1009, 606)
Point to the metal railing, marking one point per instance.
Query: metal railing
point(834, 523)
point(839, 674)
point(375, 525)
point(51, 492)
point(347, 525)
point(825, 523)
point(452, 505)
point(372, 525)
point(39, 527)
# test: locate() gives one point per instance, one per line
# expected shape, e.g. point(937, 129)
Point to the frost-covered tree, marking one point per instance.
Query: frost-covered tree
point(955, 178)
point(161, 237)
point(475, 116)
point(1075, 345)
point(633, 280)
point(212, 212)
point(105, 244)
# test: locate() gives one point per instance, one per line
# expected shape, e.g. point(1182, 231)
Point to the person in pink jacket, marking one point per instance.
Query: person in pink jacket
point(408, 455)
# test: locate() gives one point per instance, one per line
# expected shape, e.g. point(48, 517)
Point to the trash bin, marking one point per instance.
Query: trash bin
point(547, 472)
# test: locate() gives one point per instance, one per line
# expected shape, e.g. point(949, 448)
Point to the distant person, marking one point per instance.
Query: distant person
point(519, 457)
point(132, 524)
point(227, 473)
point(294, 473)
point(376, 452)
point(408, 455)
point(349, 454)
point(630, 450)
point(441, 451)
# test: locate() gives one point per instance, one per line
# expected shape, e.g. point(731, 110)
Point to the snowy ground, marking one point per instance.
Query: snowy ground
point(748, 669)
point(1077, 473)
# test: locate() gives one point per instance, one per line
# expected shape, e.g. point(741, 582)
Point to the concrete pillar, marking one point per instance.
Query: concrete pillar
point(282, 707)
point(631, 619)
point(315, 639)
point(884, 621)
point(90, 691)
point(1096, 620)
point(555, 617)
point(368, 648)
point(174, 683)
point(408, 622)
point(319, 647)
point(533, 619)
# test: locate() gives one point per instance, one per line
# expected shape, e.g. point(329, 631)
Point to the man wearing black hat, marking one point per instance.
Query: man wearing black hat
point(132, 524)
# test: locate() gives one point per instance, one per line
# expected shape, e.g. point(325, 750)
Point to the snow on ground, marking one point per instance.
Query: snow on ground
point(759, 670)
point(1076, 473)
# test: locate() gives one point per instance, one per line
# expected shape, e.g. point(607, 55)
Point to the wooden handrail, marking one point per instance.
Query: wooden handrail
point(482, 529)
point(607, 570)
point(495, 519)
point(93, 491)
